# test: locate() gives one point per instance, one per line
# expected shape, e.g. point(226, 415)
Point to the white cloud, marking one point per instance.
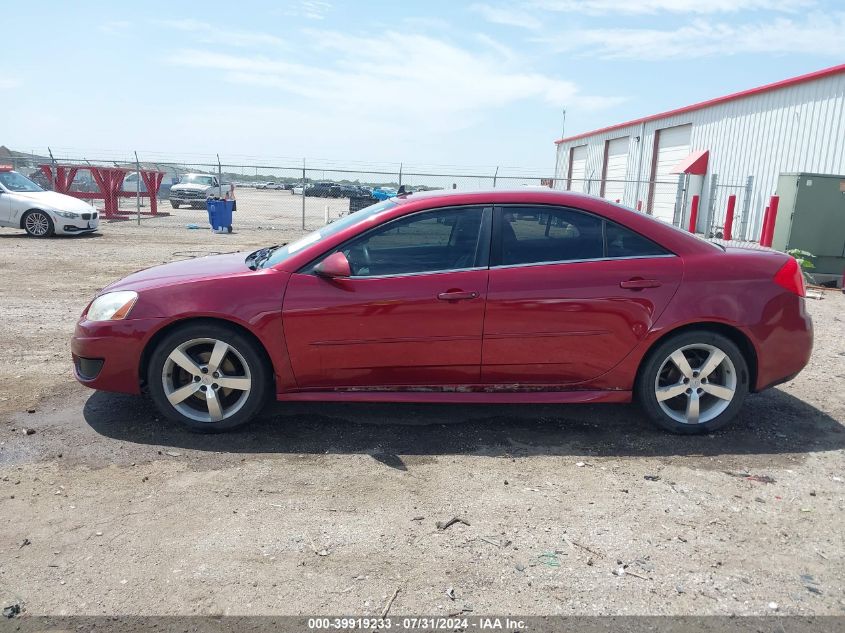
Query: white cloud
point(310, 9)
point(820, 33)
point(519, 16)
point(211, 34)
point(9, 83)
point(602, 7)
point(414, 80)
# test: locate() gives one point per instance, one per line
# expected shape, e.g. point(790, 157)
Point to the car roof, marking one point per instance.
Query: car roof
point(522, 194)
point(675, 240)
point(669, 236)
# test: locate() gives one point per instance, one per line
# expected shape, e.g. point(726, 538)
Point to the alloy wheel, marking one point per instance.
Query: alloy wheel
point(37, 224)
point(206, 379)
point(695, 383)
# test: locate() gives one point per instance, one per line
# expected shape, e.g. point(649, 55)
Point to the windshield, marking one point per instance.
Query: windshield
point(193, 179)
point(367, 215)
point(13, 181)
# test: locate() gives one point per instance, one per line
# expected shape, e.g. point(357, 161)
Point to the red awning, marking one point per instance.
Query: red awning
point(695, 164)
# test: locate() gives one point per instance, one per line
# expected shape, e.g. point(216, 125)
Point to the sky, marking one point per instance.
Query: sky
point(430, 84)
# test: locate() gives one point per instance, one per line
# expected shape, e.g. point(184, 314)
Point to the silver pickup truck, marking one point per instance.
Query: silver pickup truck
point(194, 189)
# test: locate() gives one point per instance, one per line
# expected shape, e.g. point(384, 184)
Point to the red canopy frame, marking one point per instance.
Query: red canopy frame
point(110, 184)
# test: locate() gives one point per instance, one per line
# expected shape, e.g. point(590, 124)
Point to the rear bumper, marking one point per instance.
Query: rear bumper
point(784, 341)
point(107, 355)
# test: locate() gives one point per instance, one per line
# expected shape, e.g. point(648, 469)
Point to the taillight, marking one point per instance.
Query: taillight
point(791, 277)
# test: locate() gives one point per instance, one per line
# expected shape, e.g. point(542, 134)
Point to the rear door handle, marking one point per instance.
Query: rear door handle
point(639, 284)
point(457, 295)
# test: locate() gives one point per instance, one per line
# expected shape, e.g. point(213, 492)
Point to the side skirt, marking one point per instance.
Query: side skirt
point(468, 394)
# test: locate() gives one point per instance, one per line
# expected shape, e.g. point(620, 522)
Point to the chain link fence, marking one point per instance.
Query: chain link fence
point(267, 196)
point(671, 200)
point(305, 196)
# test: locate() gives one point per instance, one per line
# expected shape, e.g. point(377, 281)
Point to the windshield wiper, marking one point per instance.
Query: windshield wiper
point(254, 260)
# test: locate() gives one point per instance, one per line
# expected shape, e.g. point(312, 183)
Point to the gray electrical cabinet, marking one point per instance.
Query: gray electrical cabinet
point(811, 216)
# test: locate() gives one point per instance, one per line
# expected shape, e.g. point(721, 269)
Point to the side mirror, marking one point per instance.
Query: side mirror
point(334, 266)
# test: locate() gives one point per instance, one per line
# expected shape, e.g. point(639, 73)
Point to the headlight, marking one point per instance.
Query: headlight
point(67, 214)
point(112, 306)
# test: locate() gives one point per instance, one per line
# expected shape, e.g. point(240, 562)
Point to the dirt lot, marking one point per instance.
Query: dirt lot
point(320, 508)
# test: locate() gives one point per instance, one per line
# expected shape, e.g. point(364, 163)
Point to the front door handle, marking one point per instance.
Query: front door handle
point(457, 295)
point(638, 283)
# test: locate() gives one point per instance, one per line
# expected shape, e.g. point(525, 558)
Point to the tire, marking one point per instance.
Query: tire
point(37, 223)
point(174, 204)
point(181, 367)
point(718, 394)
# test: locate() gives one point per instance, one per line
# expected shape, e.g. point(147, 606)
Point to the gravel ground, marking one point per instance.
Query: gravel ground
point(325, 508)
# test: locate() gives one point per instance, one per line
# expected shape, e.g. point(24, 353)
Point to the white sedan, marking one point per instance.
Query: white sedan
point(25, 205)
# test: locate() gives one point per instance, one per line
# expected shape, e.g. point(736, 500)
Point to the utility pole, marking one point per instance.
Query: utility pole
point(219, 175)
point(138, 189)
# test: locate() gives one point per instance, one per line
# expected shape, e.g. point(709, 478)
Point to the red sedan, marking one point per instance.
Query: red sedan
point(520, 296)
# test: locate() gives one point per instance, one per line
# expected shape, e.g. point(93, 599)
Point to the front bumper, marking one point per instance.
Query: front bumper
point(107, 354)
point(181, 197)
point(74, 226)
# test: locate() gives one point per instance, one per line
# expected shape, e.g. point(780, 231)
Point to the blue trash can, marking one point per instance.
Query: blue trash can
point(220, 214)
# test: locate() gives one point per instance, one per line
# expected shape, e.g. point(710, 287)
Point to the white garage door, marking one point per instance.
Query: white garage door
point(578, 169)
point(616, 169)
point(673, 145)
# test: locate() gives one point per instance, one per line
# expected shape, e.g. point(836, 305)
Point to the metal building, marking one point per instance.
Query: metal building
point(737, 144)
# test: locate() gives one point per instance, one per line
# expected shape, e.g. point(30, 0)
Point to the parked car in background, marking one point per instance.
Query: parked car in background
point(345, 191)
point(521, 296)
point(131, 183)
point(84, 182)
point(320, 190)
point(299, 189)
point(25, 205)
point(277, 186)
point(383, 193)
point(194, 189)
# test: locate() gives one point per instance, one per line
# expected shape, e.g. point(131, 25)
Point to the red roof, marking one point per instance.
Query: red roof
point(819, 74)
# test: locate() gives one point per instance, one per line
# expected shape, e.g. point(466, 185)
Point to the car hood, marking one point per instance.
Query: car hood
point(53, 200)
point(186, 271)
point(190, 187)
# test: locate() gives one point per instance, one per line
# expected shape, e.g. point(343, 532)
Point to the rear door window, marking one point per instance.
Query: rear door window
point(538, 234)
point(529, 235)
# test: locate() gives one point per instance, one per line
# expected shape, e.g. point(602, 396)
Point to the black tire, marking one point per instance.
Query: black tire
point(33, 220)
point(174, 204)
point(257, 368)
point(692, 343)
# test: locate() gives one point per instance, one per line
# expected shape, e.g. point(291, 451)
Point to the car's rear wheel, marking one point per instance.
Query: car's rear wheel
point(694, 382)
point(208, 377)
point(174, 204)
point(38, 224)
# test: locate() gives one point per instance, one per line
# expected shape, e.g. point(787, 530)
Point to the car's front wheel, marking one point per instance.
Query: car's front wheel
point(208, 377)
point(694, 382)
point(174, 204)
point(38, 224)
